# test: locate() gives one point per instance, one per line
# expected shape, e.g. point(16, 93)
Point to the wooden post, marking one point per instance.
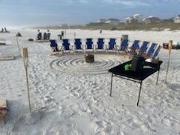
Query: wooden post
point(25, 61)
point(169, 58)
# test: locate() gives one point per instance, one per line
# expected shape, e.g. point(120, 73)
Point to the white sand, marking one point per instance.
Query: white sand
point(79, 104)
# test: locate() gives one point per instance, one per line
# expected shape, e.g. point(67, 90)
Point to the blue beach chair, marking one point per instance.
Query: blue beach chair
point(124, 45)
point(151, 50)
point(89, 44)
point(111, 44)
point(156, 52)
point(134, 48)
point(135, 45)
point(54, 45)
point(78, 44)
point(144, 47)
point(66, 44)
point(100, 44)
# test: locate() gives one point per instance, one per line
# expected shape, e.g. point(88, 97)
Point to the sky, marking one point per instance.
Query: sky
point(55, 12)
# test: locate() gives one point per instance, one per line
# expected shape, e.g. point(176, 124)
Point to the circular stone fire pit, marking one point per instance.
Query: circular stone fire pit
point(89, 58)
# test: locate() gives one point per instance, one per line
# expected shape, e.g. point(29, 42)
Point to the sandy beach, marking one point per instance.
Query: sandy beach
point(69, 98)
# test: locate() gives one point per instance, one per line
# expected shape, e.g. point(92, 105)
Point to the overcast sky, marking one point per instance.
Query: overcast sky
point(37, 12)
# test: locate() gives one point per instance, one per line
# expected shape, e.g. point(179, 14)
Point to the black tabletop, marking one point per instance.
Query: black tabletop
point(148, 69)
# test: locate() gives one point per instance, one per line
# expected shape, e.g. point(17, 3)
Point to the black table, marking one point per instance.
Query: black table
point(148, 69)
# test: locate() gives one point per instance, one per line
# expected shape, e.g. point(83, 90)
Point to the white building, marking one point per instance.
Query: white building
point(151, 19)
point(177, 19)
point(137, 18)
point(101, 20)
point(112, 21)
point(130, 20)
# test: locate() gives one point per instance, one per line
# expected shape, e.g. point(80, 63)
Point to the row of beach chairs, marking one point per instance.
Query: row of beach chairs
point(111, 45)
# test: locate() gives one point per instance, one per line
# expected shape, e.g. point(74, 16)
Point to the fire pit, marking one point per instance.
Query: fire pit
point(89, 58)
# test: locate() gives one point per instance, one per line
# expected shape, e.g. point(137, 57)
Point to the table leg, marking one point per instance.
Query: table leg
point(139, 93)
point(157, 77)
point(111, 85)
